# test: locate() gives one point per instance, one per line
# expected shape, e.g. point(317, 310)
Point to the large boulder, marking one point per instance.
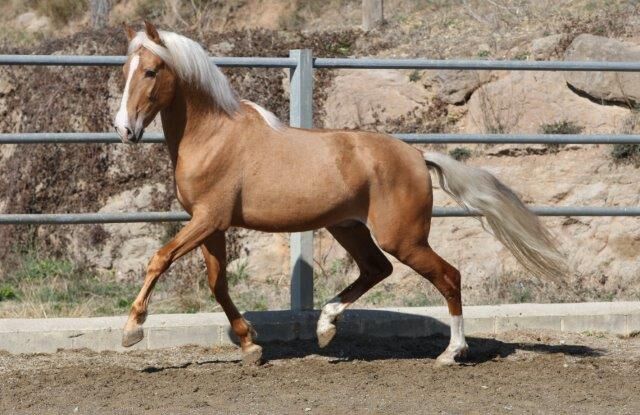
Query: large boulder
point(359, 98)
point(524, 101)
point(456, 86)
point(622, 87)
point(548, 47)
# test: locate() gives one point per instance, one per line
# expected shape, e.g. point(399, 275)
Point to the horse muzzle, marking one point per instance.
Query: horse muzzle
point(129, 136)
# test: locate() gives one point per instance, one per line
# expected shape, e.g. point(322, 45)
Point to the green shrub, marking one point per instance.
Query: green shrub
point(415, 76)
point(460, 153)
point(34, 267)
point(625, 153)
point(521, 56)
point(561, 127)
point(7, 293)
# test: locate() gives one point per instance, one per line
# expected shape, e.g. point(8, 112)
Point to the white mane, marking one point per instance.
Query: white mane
point(268, 116)
point(191, 63)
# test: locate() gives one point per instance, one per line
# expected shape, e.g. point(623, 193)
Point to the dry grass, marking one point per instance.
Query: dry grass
point(37, 285)
point(48, 287)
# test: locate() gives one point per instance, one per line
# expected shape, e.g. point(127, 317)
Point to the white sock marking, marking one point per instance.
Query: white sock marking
point(330, 311)
point(457, 340)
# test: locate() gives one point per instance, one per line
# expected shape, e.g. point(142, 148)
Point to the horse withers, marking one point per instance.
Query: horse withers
point(236, 164)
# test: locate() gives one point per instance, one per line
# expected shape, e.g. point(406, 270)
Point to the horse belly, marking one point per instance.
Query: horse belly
point(295, 206)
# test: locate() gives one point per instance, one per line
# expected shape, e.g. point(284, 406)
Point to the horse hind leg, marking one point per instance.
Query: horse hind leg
point(373, 266)
point(447, 281)
point(446, 278)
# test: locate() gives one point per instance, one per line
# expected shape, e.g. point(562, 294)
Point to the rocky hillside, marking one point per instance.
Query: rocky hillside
point(87, 178)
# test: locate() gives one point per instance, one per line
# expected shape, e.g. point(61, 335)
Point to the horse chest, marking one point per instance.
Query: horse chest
point(202, 189)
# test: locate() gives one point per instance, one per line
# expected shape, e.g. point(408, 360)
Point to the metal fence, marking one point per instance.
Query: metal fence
point(301, 65)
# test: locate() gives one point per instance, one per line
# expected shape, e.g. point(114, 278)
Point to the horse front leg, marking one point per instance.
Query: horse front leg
point(186, 240)
point(215, 256)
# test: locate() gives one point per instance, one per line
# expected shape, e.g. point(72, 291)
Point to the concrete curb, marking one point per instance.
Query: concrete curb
point(209, 329)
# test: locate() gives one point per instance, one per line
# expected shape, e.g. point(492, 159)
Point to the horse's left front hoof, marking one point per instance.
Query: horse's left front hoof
point(131, 337)
point(252, 355)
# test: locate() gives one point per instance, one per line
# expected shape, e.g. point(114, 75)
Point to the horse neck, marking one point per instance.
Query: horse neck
point(190, 116)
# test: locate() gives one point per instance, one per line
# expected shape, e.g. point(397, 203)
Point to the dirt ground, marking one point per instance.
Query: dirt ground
point(517, 372)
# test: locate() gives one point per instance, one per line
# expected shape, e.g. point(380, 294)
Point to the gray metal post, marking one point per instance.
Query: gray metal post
point(301, 115)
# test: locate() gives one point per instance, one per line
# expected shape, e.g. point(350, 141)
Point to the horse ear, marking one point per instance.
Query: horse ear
point(129, 31)
point(152, 32)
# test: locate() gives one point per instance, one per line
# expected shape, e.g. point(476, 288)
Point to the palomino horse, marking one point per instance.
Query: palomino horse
point(235, 164)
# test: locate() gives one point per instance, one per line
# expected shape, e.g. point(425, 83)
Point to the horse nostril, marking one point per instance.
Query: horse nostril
point(129, 133)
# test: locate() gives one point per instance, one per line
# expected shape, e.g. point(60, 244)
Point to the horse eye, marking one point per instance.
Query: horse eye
point(149, 73)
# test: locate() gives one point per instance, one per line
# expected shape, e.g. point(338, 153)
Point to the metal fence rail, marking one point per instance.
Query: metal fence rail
point(137, 217)
point(75, 60)
point(301, 65)
point(155, 137)
point(481, 65)
point(337, 63)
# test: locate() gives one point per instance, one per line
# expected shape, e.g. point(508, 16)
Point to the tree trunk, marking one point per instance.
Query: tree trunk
point(372, 14)
point(100, 13)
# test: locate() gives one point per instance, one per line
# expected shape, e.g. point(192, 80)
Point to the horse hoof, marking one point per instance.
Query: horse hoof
point(448, 358)
point(443, 361)
point(326, 335)
point(131, 337)
point(252, 355)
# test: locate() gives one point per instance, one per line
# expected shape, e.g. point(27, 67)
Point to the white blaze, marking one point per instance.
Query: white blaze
point(122, 117)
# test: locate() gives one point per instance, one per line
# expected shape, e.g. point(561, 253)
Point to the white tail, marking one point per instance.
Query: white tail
point(512, 223)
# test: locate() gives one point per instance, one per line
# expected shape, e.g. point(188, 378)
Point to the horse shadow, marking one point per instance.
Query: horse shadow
point(412, 337)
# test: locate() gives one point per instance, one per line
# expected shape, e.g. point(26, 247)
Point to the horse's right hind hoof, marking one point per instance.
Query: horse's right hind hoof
point(326, 335)
point(131, 337)
point(252, 355)
point(448, 358)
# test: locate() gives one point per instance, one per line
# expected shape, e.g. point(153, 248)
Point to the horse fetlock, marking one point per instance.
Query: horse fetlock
point(326, 329)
